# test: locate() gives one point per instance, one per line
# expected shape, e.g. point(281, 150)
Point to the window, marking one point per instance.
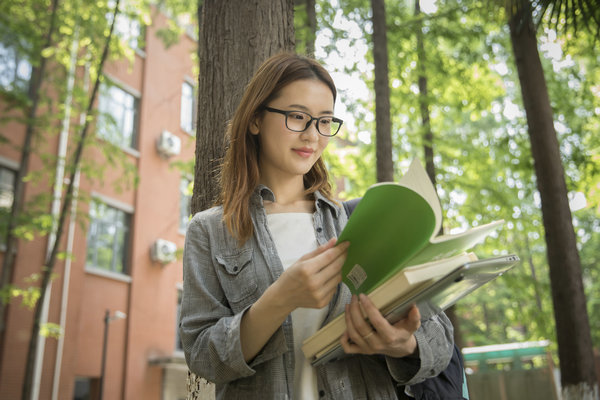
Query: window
point(185, 200)
point(117, 119)
point(15, 69)
point(188, 108)
point(178, 345)
point(108, 238)
point(130, 31)
point(86, 388)
point(127, 27)
point(7, 193)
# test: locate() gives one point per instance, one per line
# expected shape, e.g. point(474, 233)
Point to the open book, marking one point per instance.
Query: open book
point(394, 252)
point(396, 225)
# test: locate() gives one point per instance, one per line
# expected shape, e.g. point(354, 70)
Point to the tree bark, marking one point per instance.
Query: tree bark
point(235, 37)
point(572, 324)
point(424, 97)
point(428, 141)
point(383, 126)
point(311, 18)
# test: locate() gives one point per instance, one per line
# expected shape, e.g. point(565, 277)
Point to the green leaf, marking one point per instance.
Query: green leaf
point(48, 52)
point(52, 330)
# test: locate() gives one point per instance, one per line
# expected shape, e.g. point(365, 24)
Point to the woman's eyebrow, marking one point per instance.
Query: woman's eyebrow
point(304, 108)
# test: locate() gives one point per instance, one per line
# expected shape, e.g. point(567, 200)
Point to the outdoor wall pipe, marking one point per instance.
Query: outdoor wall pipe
point(56, 202)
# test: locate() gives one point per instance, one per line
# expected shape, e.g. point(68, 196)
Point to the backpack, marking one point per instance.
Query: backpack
point(450, 384)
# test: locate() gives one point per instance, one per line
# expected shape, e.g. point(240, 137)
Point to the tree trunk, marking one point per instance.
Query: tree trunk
point(424, 97)
point(235, 37)
point(383, 127)
point(428, 141)
point(311, 17)
point(572, 325)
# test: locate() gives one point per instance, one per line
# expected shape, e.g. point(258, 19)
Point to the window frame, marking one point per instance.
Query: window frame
point(127, 222)
point(90, 385)
point(19, 57)
point(193, 117)
point(13, 168)
point(178, 343)
point(103, 109)
point(184, 198)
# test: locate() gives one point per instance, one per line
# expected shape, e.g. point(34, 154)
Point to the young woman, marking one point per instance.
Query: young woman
point(262, 271)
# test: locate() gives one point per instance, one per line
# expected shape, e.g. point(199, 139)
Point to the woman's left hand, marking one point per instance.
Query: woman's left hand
point(377, 335)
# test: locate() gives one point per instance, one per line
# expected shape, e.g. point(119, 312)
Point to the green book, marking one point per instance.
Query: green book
point(394, 226)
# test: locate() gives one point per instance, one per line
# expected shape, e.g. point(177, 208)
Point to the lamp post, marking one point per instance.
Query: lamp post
point(107, 320)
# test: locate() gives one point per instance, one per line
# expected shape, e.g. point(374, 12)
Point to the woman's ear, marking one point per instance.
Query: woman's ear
point(254, 129)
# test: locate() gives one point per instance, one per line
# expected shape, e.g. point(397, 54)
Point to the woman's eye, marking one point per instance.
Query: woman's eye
point(325, 121)
point(298, 116)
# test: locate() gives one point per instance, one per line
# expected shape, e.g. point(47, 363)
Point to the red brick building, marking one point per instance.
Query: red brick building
point(123, 252)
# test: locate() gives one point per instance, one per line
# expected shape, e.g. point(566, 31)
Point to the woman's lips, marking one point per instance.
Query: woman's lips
point(304, 152)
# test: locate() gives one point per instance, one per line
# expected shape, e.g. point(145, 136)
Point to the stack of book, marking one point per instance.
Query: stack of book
point(398, 259)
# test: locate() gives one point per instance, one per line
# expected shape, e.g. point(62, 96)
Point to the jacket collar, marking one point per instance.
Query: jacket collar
point(262, 193)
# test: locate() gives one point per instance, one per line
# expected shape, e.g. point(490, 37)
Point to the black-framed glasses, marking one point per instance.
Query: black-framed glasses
point(299, 121)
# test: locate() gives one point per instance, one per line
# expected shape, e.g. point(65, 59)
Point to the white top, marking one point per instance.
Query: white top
point(294, 236)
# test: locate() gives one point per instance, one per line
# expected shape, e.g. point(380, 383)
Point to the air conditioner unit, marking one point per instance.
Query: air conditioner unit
point(168, 145)
point(163, 251)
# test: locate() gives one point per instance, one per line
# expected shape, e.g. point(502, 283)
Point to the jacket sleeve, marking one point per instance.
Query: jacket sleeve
point(209, 329)
point(435, 343)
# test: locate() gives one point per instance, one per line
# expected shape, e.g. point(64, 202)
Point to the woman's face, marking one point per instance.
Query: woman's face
point(285, 154)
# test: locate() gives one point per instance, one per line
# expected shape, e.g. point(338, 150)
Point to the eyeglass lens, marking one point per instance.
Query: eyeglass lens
point(299, 121)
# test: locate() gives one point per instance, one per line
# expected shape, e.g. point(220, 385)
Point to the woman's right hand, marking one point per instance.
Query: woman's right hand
point(312, 280)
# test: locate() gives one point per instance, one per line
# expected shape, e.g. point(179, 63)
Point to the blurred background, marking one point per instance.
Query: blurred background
point(112, 116)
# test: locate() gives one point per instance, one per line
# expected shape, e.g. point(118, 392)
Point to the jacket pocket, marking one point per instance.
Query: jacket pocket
point(237, 274)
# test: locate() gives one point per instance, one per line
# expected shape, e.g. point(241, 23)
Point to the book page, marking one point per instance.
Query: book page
point(447, 245)
point(389, 226)
point(416, 179)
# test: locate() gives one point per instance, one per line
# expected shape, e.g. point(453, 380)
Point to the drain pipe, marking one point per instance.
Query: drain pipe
point(65, 294)
point(72, 218)
point(56, 202)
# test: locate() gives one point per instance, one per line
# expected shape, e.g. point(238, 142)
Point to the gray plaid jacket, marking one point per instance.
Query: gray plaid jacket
point(221, 280)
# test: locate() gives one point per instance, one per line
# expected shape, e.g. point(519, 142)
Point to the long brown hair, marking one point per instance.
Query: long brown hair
point(239, 173)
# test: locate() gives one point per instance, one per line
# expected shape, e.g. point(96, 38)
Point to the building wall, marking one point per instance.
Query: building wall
point(151, 329)
point(30, 258)
point(149, 295)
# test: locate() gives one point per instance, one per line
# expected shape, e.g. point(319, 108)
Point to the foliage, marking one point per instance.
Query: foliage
point(301, 28)
point(483, 160)
point(29, 294)
point(52, 330)
point(77, 44)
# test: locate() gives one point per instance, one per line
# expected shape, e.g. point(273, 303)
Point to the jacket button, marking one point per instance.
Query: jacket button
point(235, 268)
point(319, 229)
point(321, 393)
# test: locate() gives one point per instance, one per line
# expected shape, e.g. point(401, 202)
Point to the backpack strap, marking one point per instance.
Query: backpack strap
point(350, 205)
